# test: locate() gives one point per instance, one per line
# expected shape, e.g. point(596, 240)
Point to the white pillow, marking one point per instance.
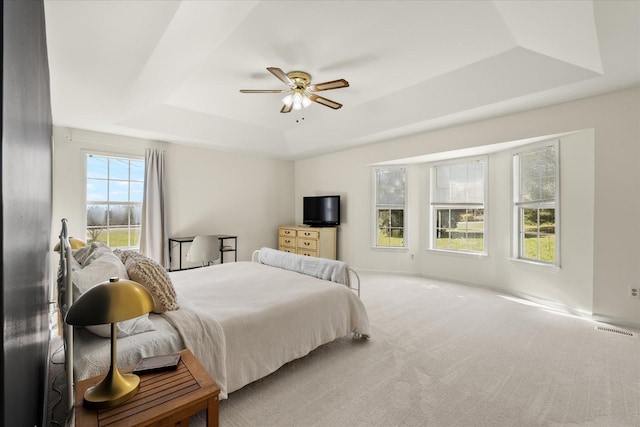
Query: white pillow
point(125, 328)
point(85, 254)
point(100, 269)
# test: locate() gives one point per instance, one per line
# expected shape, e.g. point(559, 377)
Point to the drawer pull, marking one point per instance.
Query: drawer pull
point(307, 243)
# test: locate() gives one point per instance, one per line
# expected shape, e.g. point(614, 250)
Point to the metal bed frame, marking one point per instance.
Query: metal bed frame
point(65, 299)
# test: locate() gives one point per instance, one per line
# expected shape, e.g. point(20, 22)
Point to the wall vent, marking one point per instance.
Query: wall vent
point(615, 331)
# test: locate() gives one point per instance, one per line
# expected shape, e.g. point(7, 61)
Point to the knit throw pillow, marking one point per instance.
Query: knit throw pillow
point(152, 276)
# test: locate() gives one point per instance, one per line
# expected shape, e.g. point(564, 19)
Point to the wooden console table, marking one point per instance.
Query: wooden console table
point(165, 398)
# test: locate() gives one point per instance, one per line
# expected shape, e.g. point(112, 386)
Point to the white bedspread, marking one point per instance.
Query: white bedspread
point(245, 320)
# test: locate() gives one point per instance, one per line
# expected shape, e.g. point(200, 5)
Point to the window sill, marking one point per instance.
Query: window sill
point(390, 248)
point(540, 265)
point(458, 253)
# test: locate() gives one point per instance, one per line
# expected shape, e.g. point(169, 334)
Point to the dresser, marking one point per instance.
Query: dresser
point(310, 241)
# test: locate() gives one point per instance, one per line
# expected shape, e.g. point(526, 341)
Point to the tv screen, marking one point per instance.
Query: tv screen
point(321, 211)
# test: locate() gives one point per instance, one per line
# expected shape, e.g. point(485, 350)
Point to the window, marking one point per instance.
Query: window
point(390, 204)
point(457, 207)
point(115, 189)
point(535, 202)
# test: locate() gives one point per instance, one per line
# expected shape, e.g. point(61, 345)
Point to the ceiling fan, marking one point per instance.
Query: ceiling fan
point(300, 92)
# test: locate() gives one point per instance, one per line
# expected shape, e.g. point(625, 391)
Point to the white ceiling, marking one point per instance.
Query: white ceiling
point(172, 70)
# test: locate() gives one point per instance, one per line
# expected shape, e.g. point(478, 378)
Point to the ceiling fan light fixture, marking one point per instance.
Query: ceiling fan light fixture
point(300, 92)
point(297, 101)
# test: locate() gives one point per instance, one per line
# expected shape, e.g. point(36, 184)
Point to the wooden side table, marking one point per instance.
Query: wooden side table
point(165, 398)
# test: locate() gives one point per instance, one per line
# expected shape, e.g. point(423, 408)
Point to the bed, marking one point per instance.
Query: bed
point(242, 320)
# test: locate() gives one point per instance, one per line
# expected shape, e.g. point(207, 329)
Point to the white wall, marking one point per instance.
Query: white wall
point(600, 177)
point(217, 192)
point(212, 192)
point(208, 191)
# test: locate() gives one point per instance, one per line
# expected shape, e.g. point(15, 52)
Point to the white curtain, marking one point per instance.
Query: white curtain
point(153, 233)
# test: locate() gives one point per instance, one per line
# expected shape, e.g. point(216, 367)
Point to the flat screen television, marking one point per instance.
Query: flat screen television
point(321, 211)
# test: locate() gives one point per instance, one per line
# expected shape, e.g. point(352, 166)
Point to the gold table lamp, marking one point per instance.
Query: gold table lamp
point(111, 302)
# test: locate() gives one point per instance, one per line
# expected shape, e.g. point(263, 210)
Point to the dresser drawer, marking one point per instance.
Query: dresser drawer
point(287, 249)
point(287, 241)
point(290, 232)
point(307, 252)
point(307, 244)
point(308, 234)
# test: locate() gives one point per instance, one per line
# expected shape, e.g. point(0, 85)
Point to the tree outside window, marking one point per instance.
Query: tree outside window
point(457, 206)
point(535, 204)
point(459, 229)
point(390, 190)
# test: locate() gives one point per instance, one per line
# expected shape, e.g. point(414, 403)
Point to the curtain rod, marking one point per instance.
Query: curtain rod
point(115, 144)
point(93, 141)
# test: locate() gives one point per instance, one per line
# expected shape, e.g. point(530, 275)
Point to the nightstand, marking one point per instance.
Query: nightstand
point(165, 398)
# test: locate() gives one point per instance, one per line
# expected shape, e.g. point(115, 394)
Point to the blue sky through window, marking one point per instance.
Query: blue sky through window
point(114, 179)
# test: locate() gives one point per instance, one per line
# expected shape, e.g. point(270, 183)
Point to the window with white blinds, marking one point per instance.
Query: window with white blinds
point(390, 206)
point(458, 211)
point(535, 204)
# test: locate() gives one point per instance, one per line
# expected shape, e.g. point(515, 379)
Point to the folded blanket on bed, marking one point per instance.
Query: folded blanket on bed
point(325, 269)
point(205, 338)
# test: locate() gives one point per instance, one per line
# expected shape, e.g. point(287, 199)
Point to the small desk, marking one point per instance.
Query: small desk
point(166, 398)
point(221, 238)
point(226, 248)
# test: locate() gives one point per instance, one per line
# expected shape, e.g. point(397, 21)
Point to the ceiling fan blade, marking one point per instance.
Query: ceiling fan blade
point(281, 75)
point(286, 108)
point(263, 91)
point(333, 84)
point(324, 101)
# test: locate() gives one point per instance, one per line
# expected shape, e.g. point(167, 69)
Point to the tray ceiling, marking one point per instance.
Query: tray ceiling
point(172, 70)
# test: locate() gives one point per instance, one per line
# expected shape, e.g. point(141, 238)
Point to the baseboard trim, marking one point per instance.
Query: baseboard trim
point(610, 320)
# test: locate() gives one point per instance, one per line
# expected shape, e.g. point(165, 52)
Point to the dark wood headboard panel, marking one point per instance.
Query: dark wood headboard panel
point(26, 213)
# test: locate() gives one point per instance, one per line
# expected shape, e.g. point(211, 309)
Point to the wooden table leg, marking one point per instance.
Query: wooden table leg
point(212, 412)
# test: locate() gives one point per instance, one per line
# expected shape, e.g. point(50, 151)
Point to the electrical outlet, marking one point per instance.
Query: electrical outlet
point(412, 256)
point(634, 292)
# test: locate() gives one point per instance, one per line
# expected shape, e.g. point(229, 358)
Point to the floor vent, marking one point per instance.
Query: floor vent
point(615, 331)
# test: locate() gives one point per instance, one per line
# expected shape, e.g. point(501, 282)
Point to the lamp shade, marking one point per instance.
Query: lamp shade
point(109, 302)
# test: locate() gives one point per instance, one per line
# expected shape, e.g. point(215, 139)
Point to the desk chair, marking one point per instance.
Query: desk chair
point(204, 250)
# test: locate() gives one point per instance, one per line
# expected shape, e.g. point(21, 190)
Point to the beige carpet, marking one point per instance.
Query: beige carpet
point(444, 354)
